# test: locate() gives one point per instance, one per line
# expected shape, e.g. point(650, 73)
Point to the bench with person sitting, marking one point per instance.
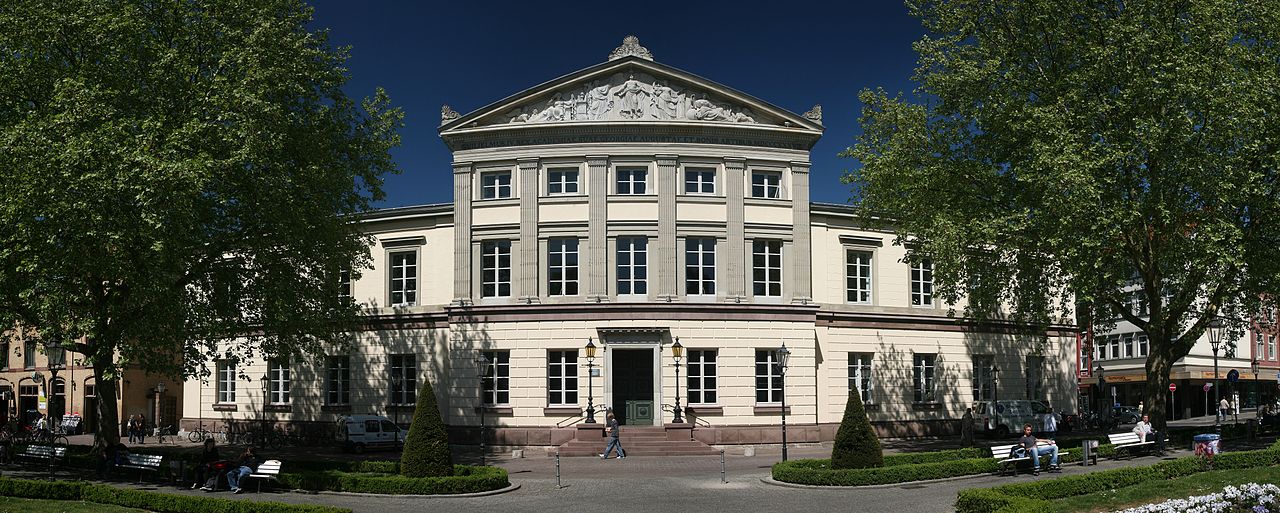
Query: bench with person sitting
point(1028, 448)
point(1143, 436)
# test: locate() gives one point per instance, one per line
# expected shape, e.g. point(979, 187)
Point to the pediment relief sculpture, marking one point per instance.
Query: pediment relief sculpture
point(628, 97)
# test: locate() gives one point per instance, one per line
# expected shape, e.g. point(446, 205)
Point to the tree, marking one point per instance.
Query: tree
point(181, 181)
point(856, 444)
point(426, 449)
point(1064, 152)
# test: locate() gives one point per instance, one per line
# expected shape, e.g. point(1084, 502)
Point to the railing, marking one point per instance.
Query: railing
point(577, 419)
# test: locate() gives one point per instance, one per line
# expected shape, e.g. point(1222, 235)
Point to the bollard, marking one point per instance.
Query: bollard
point(558, 486)
point(722, 476)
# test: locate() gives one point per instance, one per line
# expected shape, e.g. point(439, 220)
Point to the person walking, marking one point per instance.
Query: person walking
point(611, 427)
point(966, 428)
point(248, 463)
point(1224, 409)
point(132, 427)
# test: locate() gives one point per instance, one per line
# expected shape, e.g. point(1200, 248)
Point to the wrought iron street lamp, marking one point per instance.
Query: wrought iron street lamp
point(591, 365)
point(1102, 390)
point(483, 367)
point(1217, 330)
point(1257, 389)
point(677, 352)
point(160, 388)
point(782, 355)
point(56, 358)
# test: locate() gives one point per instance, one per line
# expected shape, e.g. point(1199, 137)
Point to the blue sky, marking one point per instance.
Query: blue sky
point(468, 54)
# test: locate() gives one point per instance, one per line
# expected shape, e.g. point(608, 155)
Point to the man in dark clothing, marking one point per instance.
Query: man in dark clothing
point(1034, 450)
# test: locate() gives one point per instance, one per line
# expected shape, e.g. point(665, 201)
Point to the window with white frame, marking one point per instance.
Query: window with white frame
point(495, 185)
point(700, 267)
point(1035, 377)
point(702, 376)
point(699, 181)
point(1115, 346)
point(562, 378)
point(1143, 346)
point(984, 378)
point(1128, 345)
point(562, 181)
point(766, 184)
point(922, 283)
point(924, 381)
point(404, 379)
point(226, 382)
point(344, 284)
point(338, 380)
point(495, 268)
point(562, 267)
point(1086, 354)
point(404, 278)
point(768, 377)
point(631, 180)
point(860, 375)
point(1260, 339)
point(1271, 347)
point(858, 276)
point(495, 377)
point(278, 380)
point(633, 266)
point(766, 268)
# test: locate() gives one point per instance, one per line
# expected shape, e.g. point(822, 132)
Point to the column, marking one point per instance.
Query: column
point(663, 258)
point(735, 273)
point(801, 233)
point(462, 179)
point(596, 248)
point(527, 287)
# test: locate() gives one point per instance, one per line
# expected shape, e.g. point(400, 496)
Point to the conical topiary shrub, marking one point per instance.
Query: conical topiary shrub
point(856, 443)
point(426, 449)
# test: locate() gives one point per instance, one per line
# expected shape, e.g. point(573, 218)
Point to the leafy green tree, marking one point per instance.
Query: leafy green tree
point(180, 181)
point(1093, 152)
point(426, 449)
point(856, 444)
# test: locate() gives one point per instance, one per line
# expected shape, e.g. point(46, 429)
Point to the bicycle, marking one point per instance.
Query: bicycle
point(163, 432)
point(200, 434)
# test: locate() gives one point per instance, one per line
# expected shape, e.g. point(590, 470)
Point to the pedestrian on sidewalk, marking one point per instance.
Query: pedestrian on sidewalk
point(1224, 409)
point(611, 428)
point(966, 428)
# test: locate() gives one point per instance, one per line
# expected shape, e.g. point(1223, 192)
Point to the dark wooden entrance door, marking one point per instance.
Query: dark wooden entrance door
point(633, 386)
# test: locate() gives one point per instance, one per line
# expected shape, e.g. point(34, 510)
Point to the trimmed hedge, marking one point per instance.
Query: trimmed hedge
point(426, 449)
point(856, 445)
point(820, 473)
point(908, 458)
point(147, 500)
point(465, 479)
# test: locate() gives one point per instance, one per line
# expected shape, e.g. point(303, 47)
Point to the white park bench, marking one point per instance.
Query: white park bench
point(268, 470)
point(1001, 454)
point(1129, 441)
point(47, 453)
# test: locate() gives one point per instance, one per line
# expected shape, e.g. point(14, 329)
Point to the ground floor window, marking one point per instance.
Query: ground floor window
point(226, 382)
point(923, 377)
point(702, 376)
point(860, 375)
point(562, 377)
point(404, 379)
point(338, 380)
point(495, 377)
point(768, 377)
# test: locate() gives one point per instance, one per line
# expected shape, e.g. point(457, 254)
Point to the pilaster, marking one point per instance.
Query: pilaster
point(735, 274)
point(596, 247)
point(527, 288)
point(663, 258)
point(462, 179)
point(801, 234)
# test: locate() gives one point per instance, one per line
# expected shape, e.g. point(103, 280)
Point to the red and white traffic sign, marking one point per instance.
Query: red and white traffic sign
point(1173, 387)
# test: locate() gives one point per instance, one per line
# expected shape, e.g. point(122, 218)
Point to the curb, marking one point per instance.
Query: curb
point(769, 480)
point(511, 488)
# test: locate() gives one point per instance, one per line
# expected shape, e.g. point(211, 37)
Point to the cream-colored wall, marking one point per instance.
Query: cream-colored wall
point(435, 265)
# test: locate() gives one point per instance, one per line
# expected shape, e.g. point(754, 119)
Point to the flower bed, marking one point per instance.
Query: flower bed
point(1251, 497)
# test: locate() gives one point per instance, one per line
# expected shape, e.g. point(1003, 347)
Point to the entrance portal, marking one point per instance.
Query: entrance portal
point(632, 380)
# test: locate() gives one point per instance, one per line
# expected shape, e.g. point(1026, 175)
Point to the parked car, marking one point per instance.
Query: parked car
point(357, 433)
point(1126, 414)
point(1000, 418)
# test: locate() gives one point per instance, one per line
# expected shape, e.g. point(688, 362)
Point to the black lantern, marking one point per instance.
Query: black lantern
point(782, 355)
point(591, 365)
point(1217, 331)
point(677, 352)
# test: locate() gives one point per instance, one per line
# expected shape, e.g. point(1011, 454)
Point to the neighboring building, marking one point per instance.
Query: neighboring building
point(631, 204)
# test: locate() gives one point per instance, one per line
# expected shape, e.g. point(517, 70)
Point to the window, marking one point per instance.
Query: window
point(632, 265)
point(1143, 348)
point(702, 376)
point(768, 377)
point(562, 262)
point(344, 284)
point(4, 356)
point(495, 377)
point(495, 264)
point(29, 355)
point(404, 379)
point(923, 378)
point(562, 377)
point(1128, 345)
point(858, 276)
point(700, 181)
point(765, 184)
point(632, 180)
point(860, 375)
point(766, 260)
point(984, 378)
point(922, 283)
point(278, 377)
point(1115, 346)
point(1035, 376)
point(562, 181)
point(1271, 347)
point(404, 278)
point(700, 267)
point(1085, 353)
point(226, 382)
point(338, 380)
point(495, 185)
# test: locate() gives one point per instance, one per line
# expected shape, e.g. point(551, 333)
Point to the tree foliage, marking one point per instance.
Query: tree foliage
point(1059, 152)
point(426, 449)
point(856, 444)
point(180, 180)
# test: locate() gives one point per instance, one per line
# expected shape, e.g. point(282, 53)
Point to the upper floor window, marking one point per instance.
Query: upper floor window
point(1271, 347)
point(860, 375)
point(1115, 346)
point(562, 267)
point(700, 181)
point(562, 181)
point(562, 377)
point(1035, 377)
point(404, 278)
point(632, 180)
point(702, 376)
point(633, 265)
point(1128, 345)
point(495, 185)
point(226, 382)
point(404, 379)
point(344, 284)
point(1143, 347)
point(495, 377)
point(29, 355)
point(338, 380)
point(922, 283)
point(984, 378)
point(923, 378)
point(858, 276)
point(766, 184)
point(278, 377)
point(766, 267)
point(1086, 354)
point(495, 265)
point(700, 267)
point(4, 356)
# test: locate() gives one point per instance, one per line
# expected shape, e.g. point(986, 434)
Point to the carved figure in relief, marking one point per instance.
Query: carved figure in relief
point(667, 100)
point(703, 109)
point(598, 101)
point(634, 99)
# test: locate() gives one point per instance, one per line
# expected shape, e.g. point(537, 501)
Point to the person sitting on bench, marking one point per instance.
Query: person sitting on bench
point(1144, 431)
point(1030, 444)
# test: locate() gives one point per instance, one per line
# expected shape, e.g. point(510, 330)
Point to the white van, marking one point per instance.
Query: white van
point(1001, 418)
point(359, 432)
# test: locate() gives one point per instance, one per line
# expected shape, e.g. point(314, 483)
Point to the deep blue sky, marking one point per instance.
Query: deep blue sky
point(468, 54)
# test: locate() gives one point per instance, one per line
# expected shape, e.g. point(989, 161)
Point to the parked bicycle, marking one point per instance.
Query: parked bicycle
point(199, 434)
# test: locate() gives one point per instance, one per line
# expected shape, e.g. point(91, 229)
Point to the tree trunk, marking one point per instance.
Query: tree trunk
point(1159, 363)
point(108, 433)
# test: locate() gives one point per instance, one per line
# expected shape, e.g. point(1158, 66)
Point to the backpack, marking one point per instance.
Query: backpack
point(1017, 451)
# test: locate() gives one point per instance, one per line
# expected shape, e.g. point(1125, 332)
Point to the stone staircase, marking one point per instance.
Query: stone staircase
point(639, 441)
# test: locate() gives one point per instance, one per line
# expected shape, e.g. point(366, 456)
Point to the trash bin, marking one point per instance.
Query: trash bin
point(1206, 445)
point(1089, 452)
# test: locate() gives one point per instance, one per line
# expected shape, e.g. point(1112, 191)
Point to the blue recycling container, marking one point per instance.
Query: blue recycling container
point(1206, 444)
point(1207, 437)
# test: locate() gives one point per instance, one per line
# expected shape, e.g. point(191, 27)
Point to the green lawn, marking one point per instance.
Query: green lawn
point(16, 505)
point(1160, 491)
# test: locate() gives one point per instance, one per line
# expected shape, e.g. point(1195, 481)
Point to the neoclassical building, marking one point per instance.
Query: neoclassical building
point(628, 206)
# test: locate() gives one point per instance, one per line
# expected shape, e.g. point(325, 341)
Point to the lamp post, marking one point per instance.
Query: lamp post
point(54, 366)
point(1257, 393)
point(677, 352)
point(482, 370)
point(266, 399)
point(995, 383)
point(782, 355)
point(1102, 385)
point(159, 392)
point(1216, 331)
point(591, 365)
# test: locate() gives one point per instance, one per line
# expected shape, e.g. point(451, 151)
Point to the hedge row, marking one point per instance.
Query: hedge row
point(1035, 496)
point(466, 479)
point(382, 467)
point(147, 500)
point(908, 458)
